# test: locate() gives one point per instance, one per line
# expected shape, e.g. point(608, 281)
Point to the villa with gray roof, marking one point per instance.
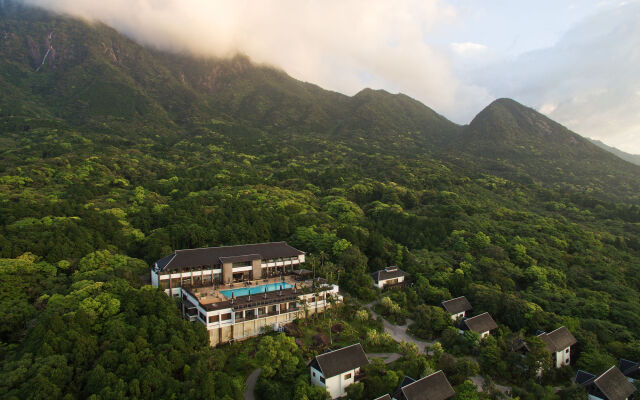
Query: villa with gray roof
point(457, 307)
point(558, 343)
point(610, 385)
point(630, 369)
point(388, 277)
point(482, 324)
point(337, 369)
point(432, 387)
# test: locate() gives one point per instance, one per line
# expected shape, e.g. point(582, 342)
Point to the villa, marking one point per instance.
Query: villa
point(337, 369)
point(388, 277)
point(432, 387)
point(559, 343)
point(457, 307)
point(482, 324)
point(610, 385)
point(240, 291)
point(630, 369)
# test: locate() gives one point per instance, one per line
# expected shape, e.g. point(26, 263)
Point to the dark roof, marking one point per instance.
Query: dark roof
point(236, 259)
point(406, 380)
point(457, 305)
point(213, 255)
point(558, 340)
point(628, 367)
point(584, 378)
point(481, 323)
point(614, 385)
point(383, 397)
point(342, 360)
point(161, 263)
point(432, 387)
point(387, 273)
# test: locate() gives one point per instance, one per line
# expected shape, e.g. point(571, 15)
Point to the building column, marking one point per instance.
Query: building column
point(256, 268)
point(227, 273)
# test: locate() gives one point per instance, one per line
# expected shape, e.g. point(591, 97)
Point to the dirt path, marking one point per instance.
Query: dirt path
point(251, 384)
point(399, 332)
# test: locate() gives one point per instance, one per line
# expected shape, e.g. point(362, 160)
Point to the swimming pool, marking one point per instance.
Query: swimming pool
point(256, 289)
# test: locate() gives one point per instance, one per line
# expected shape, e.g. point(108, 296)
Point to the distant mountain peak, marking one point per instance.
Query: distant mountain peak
point(509, 120)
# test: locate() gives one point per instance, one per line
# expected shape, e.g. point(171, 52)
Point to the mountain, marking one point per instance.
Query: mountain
point(93, 77)
point(632, 158)
point(514, 141)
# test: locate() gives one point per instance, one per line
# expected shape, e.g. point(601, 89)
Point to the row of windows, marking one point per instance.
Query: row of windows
point(204, 280)
point(280, 259)
point(221, 317)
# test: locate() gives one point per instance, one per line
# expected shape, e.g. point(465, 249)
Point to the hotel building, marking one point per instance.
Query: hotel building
point(240, 291)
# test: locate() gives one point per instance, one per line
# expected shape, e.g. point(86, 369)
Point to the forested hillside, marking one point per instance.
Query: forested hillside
point(113, 155)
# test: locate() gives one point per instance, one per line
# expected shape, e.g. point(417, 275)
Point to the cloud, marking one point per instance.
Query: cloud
point(331, 43)
point(547, 108)
point(468, 48)
point(588, 80)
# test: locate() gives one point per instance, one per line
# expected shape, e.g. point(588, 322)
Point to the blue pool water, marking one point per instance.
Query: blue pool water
point(256, 289)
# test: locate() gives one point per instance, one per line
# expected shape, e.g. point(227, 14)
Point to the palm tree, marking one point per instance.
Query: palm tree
point(323, 257)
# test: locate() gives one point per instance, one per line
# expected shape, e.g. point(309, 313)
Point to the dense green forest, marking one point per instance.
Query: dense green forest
point(113, 155)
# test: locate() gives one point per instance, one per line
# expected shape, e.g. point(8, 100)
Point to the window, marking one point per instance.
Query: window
point(567, 350)
point(347, 376)
point(322, 379)
point(201, 315)
point(225, 317)
point(214, 318)
point(314, 374)
point(566, 361)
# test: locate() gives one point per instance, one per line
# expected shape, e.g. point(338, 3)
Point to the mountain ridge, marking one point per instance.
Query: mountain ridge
point(632, 158)
point(108, 77)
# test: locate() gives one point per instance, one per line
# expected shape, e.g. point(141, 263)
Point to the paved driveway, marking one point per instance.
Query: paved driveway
point(251, 384)
point(399, 332)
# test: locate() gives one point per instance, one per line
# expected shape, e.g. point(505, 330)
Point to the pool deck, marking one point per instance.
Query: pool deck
point(211, 294)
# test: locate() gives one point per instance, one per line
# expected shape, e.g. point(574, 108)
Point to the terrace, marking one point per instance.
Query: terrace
point(217, 297)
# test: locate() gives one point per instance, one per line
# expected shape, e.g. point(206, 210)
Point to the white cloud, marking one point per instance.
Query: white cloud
point(547, 108)
point(590, 75)
point(330, 43)
point(468, 48)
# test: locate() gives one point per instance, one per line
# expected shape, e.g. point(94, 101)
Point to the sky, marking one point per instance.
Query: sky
point(577, 61)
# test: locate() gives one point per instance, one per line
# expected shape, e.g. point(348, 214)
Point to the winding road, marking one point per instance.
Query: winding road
point(249, 393)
